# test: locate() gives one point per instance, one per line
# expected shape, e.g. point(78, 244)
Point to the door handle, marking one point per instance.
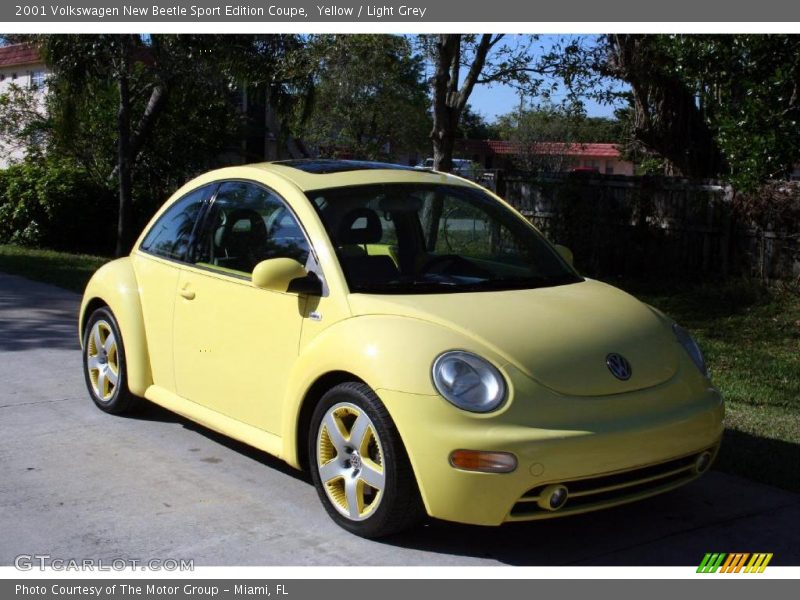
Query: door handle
point(188, 294)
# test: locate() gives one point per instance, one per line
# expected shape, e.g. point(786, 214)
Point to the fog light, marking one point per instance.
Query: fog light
point(485, 462)
point(702, 463)
point(553, 497)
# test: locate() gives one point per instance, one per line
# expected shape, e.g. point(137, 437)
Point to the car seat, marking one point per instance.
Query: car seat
point(241, 242)
point(359, 227)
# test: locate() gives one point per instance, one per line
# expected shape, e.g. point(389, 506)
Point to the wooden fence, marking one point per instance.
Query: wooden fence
point(644, 226)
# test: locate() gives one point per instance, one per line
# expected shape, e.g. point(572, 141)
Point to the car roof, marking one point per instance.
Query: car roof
point(317, 174)
point(326, 166)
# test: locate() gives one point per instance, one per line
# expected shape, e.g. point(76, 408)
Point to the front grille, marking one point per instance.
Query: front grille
point(597, 492)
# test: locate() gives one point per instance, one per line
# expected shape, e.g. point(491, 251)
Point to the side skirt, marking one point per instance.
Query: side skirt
point(252, 436)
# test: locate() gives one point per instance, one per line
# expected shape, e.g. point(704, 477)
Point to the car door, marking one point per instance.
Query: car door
point(234, 343)
point(157, 265)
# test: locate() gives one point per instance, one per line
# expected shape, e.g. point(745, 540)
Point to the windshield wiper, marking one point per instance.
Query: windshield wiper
point(514, 283)
point(415, 286)
point(400, 287)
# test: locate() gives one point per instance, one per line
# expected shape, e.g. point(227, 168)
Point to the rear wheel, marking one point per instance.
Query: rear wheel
point(104, 364)
point(359, 465)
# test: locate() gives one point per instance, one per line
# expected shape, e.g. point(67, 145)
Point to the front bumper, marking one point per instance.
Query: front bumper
point(613, 450)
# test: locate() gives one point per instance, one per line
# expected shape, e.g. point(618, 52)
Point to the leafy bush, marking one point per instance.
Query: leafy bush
point(772, 214)
point(54, 204)
point(774, 205)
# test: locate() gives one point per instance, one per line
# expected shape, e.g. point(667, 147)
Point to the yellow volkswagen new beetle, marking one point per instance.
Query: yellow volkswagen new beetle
point(408, 338)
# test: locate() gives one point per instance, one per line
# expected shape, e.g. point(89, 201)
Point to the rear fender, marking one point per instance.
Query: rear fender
point(115, 285)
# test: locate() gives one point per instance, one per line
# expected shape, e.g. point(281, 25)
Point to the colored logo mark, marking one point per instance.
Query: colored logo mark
point(736, 562)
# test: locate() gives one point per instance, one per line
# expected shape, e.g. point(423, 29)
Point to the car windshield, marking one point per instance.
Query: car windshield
point(421, 239)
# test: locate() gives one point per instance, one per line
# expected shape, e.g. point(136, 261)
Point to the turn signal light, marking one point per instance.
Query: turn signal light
point(485, 462)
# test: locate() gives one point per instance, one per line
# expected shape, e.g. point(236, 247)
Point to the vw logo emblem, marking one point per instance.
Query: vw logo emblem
point(355, 461)
point(619, 366)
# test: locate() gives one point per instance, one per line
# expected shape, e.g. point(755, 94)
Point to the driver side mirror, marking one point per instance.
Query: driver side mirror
point(565, 253)
point(277, 274)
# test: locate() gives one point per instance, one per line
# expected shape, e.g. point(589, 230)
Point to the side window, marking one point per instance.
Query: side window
point(245, 225)
point(171, 234)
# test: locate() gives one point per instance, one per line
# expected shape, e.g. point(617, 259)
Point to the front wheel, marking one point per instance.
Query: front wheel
point(359, 465)
point(104, 364)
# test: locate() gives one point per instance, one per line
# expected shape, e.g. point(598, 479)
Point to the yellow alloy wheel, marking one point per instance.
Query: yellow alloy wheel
point(102, 360)
point(350, 461)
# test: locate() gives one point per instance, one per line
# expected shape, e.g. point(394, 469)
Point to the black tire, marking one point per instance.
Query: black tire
point(399, 506)
point(116, 398)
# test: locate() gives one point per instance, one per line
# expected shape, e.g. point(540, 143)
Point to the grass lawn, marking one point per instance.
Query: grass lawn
point(71, 271)
point(750, 336)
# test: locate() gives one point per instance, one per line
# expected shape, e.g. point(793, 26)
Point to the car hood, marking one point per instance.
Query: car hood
point(559, 336)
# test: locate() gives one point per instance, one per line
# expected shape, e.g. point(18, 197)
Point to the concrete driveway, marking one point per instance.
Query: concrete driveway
point(77, 483)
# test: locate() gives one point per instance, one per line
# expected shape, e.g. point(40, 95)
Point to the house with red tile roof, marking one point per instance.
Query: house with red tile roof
point(20, 65)
point(501, 154)
point(19, 55)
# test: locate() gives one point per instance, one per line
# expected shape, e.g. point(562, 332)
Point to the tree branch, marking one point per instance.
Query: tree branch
point(155, 105)
point(475, 70)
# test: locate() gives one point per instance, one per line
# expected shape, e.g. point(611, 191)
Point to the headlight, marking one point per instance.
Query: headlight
point(468, 381)
point(691, 347)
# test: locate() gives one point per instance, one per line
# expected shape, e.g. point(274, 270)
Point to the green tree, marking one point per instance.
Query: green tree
point(369, 97)
point(149, 112)
point(23, 123)
point(474, 126)
point(277, 73)
point(558, 122)
point(714, 105)
point(544, 135)
point(120, 60)
point(87, 69)
point(547, 132)
point(495, 59)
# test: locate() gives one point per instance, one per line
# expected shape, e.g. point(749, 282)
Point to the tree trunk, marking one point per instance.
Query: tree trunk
point(155, 104)
point(443, 147)
point(293, 147)
point(667, 118)
point(431, 215)
point(137, 139)
point(449, 97)
point(445, 90)
point(449, 100)
point(124, 159)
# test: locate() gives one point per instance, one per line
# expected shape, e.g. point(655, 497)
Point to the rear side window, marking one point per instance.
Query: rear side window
point(171, 235)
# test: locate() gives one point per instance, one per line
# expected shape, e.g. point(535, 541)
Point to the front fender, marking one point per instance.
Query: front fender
point(115, 285)
point(386, 352)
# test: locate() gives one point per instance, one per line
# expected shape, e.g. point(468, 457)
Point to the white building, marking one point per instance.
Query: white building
point(20, 65)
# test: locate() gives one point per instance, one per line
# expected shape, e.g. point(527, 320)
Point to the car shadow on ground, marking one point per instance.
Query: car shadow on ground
point(761, 459)
point(674, 529)
point(153, 412)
